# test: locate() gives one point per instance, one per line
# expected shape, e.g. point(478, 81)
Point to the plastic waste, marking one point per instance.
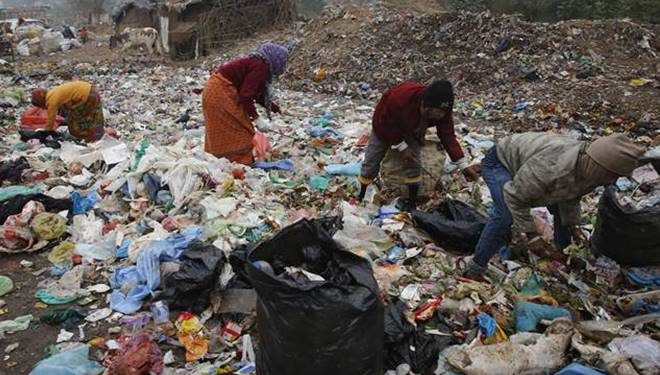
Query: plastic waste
point(68, 317)
point(61, 254)
point(74, 361)
point(191, 286)
point(319, 183)
point(35, 118)
point(284, 165)
point(528, 315)
point(105, 249)
point(132, 284)
point(6, 285)
point(20, 323)
point(82, 204)
point(490, 330)
point(15, 190)
point(454, 225)
point(406, 344)
point(138, 354)
point(578, 369)
point(218, 207)
point(191, 335)
point(334, 309)
point(348, 169)
point(643, 351)
point(627, 236)
point(160, 312)
point(15, 234)
point(48, 226)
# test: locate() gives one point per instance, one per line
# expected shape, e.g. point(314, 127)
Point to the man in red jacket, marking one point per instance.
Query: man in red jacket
point(399, 123)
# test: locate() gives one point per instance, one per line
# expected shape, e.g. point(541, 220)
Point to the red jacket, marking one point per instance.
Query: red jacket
point(249, 75)
point(397, 117)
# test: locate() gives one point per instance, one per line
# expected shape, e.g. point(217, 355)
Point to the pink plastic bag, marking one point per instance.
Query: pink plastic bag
point(261, 146)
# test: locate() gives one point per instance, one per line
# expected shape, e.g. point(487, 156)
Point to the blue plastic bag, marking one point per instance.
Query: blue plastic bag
point(81, 204)
point(284, 165)
point(320, 132)
point(487, 325)
point(347, 169)
point(528, 315)
point(319, 183)
point(143, 278)
point(578, 369)
point(71, 362)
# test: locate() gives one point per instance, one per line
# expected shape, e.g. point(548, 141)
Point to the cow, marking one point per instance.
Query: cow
point(137, 37)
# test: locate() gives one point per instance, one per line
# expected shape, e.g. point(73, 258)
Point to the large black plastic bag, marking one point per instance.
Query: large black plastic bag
point(405, 344)
point(629, 237)
point(191, 286)
point(454, 225)
point(329, 327)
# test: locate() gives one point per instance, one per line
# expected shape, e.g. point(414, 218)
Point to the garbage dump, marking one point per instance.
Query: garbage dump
point(140, 253)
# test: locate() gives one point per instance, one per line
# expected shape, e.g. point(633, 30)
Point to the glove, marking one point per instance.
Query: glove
point(275, 108)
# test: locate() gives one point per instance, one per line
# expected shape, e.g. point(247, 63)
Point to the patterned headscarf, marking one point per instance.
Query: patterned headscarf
point(276, 56)
point(39, 97)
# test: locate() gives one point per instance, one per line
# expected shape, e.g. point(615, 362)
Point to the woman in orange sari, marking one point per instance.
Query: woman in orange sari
point(228, 101)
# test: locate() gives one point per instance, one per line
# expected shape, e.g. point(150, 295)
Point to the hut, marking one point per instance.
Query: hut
point(196, 26)
point(135, 13)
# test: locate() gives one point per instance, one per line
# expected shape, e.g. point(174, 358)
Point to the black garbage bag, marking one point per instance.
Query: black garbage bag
point(191, 286)
point(305, 327)
point(454, 225)
point(629, 237)
point(11, 170)
point(405, 344)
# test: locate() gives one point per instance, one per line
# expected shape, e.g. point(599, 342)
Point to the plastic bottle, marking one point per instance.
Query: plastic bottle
point(160, 312)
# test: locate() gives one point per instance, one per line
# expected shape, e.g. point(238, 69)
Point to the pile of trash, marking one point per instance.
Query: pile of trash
point(507, 71)
point(36, 40)
point(151, 256)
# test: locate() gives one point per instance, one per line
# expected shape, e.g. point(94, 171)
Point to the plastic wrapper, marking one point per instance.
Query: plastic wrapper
point(191, 335)
point(291, 311)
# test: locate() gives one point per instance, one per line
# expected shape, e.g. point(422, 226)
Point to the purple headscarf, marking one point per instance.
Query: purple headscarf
point(276, 56)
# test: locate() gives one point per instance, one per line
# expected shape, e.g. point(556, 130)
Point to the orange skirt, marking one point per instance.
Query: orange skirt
point(228, 129)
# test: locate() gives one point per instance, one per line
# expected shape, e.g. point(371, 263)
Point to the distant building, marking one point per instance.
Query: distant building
point(188, 28)
point(37, 12)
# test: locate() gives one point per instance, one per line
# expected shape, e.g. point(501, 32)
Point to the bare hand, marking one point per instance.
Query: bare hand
point(472, 172)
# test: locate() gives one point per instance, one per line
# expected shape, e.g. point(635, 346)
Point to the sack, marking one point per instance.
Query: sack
point(454, 225)
point(326, 327)
point(35, 118)
point(628, 237)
